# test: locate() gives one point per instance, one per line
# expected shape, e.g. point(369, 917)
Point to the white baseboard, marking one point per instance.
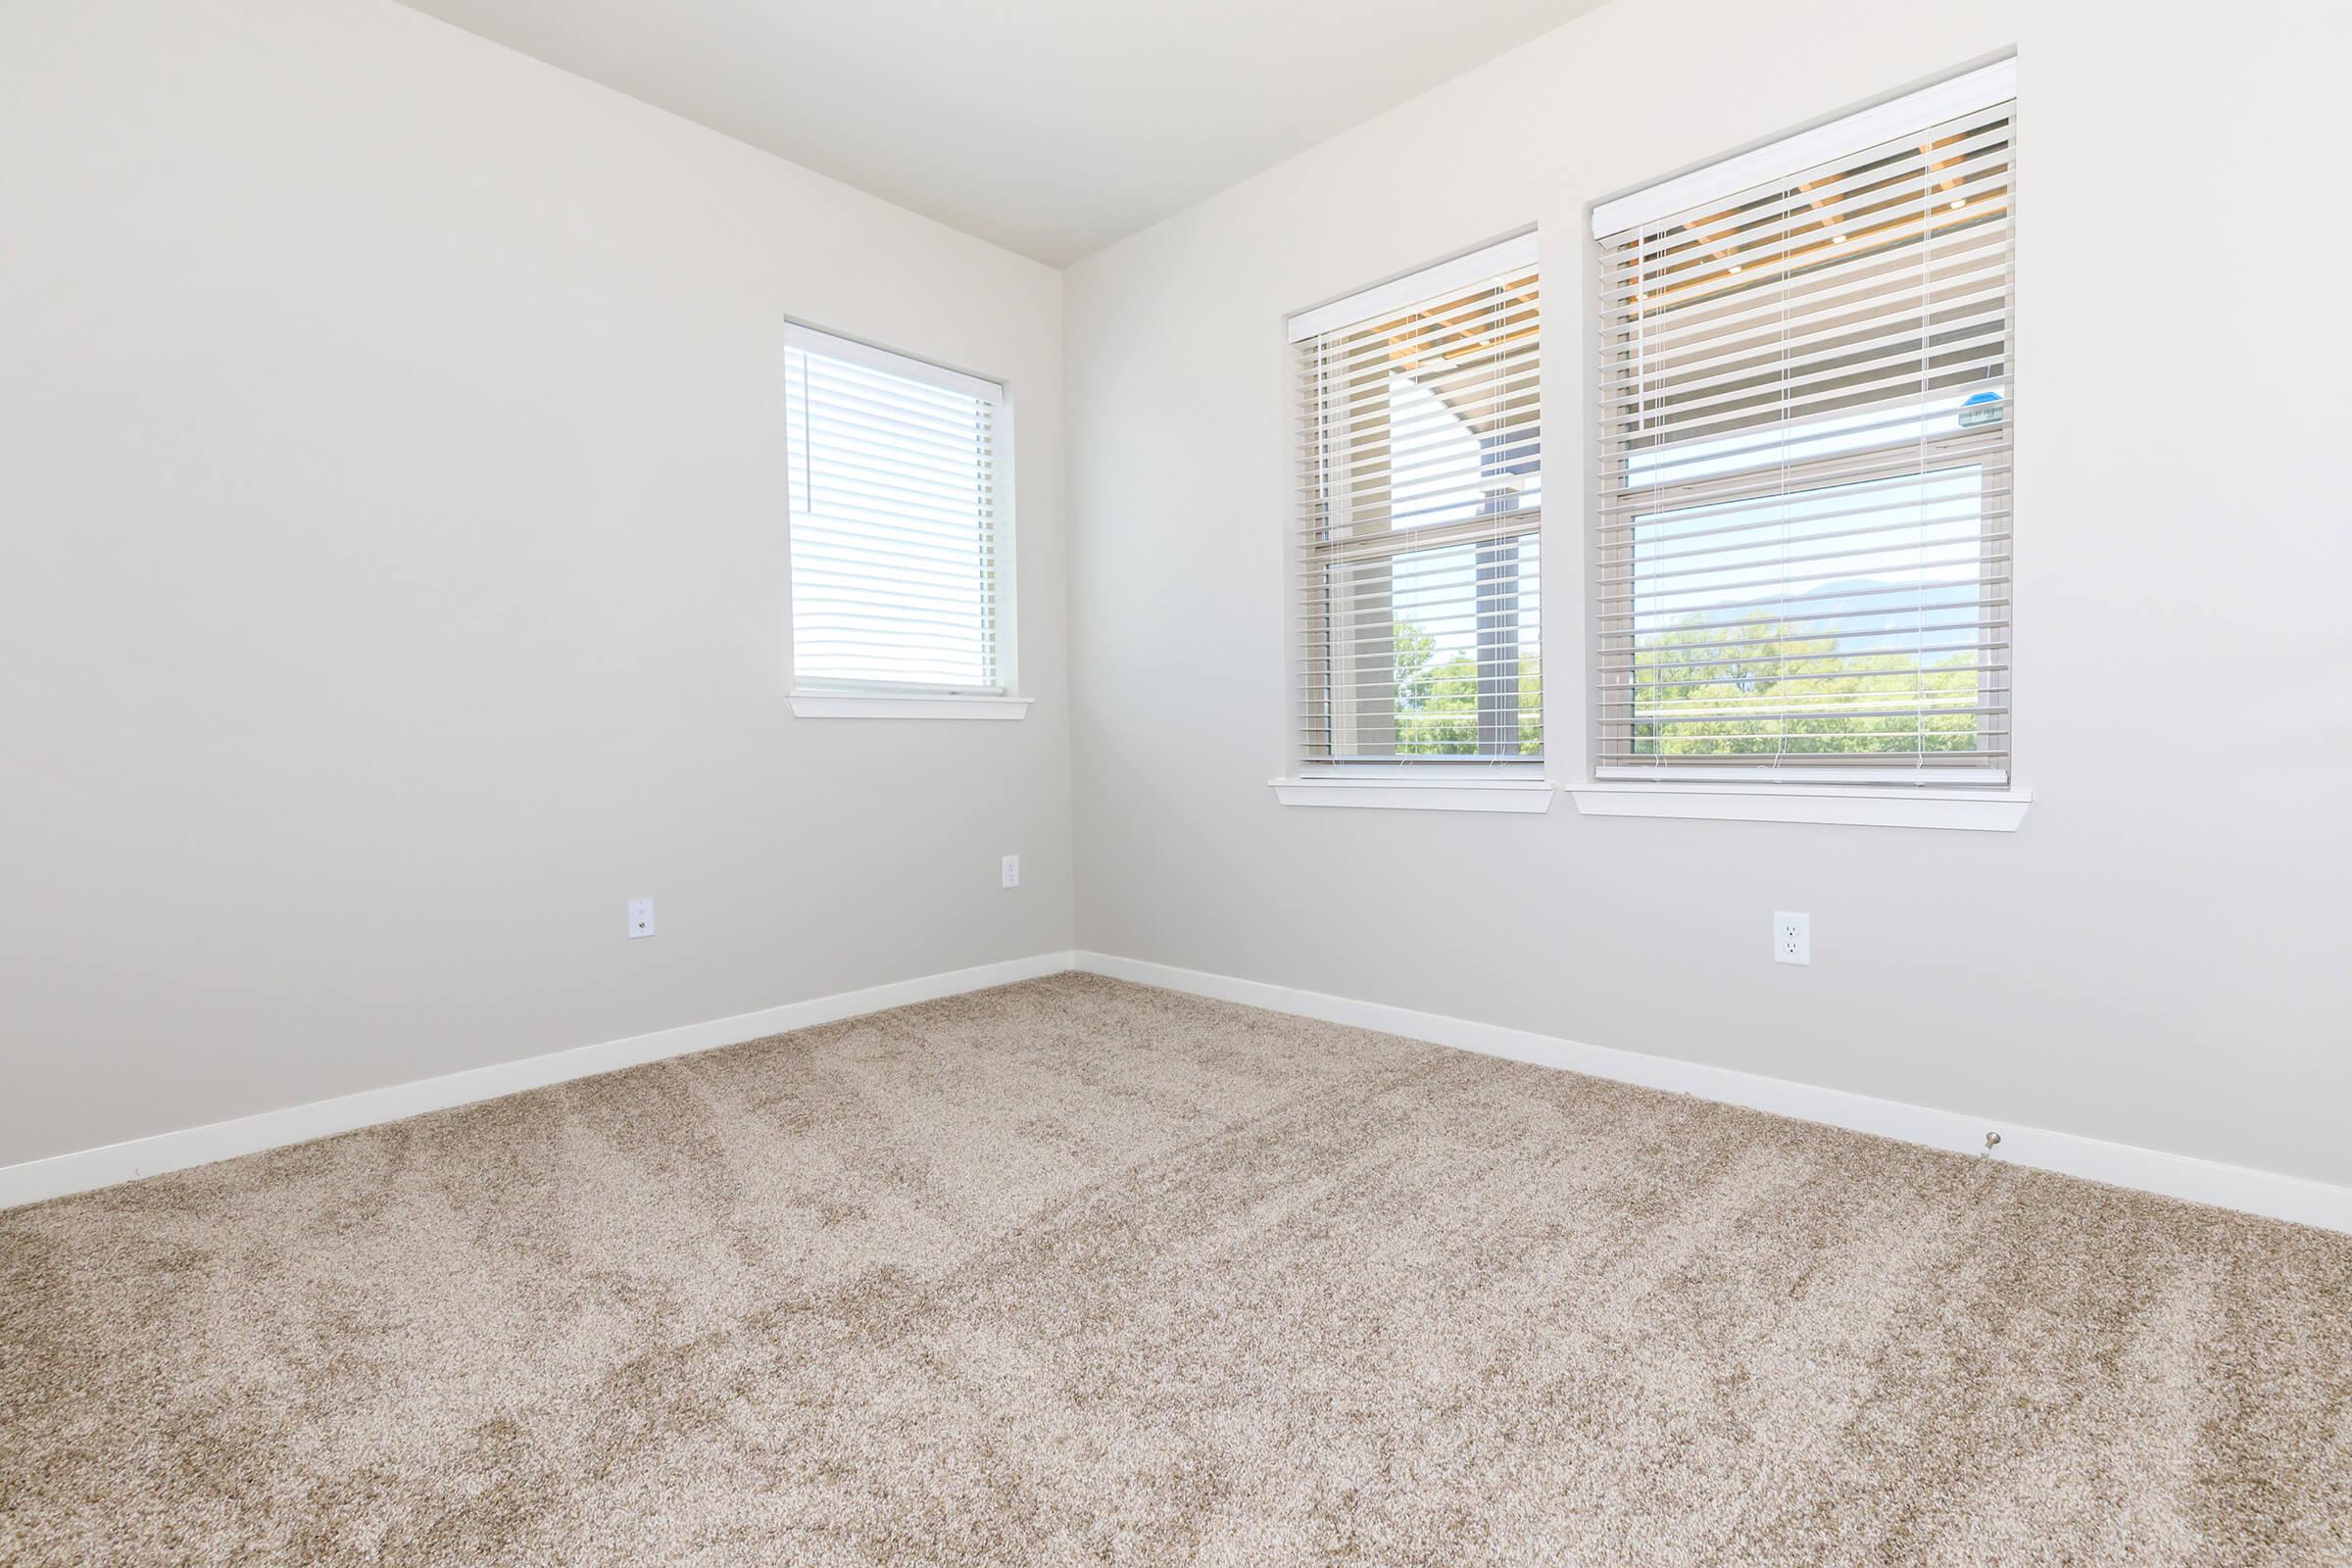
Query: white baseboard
point(85, 1169)
point(2200, 1181)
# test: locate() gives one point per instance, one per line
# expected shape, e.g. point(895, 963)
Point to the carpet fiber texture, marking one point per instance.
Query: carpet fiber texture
point(1080, 1272)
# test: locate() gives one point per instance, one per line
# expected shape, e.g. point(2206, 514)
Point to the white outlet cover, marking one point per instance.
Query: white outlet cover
point(640, 918)
point(1791, 937)
point(1013, 870)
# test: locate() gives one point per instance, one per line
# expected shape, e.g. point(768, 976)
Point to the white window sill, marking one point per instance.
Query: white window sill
point(906, 705)
point(1418, 794)
point(1974, 810)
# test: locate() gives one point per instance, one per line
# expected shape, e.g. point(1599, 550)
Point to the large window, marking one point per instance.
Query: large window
point(895, 522)
point(1420, 483)
point(1807, 411)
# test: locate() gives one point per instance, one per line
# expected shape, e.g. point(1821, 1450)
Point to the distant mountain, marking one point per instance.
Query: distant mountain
point(1862, 610)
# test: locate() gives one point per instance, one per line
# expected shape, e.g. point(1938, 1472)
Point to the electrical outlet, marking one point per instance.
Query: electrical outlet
point(1013, 870)
point(1791, 938)
point(641, 918)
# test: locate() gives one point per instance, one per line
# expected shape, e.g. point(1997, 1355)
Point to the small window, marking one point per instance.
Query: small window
point(1420, 478)
point(1807, 411)
point(896, 521)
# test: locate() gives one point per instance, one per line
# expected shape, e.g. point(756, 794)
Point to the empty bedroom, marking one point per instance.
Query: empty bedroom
point(1050, 782)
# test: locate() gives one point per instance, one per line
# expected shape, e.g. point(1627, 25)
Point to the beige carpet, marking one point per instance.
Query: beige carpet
point(1078, 1272)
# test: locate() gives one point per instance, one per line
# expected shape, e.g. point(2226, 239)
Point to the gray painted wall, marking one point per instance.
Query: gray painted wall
point(2157, 957)
point(392, 573)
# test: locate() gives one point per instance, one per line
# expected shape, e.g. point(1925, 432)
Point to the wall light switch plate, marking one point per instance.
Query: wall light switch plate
point(1013, 870)
point(641, 918)
point(1791, 938)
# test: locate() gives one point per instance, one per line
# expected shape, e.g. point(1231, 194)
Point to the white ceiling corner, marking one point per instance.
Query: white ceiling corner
point(1052, 127)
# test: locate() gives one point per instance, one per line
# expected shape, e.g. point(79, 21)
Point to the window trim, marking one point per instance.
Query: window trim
point(1524, 792)
point(912, 702)
point(873, 699)
point(890, 361)
point(1518, 252)
point(1977, 809)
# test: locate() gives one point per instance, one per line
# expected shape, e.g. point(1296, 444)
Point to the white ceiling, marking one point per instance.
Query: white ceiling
point(1049, 127)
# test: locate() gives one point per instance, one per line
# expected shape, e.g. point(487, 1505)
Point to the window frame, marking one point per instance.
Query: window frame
point(849, 696)
point(1906, 796)
point(1493, 781)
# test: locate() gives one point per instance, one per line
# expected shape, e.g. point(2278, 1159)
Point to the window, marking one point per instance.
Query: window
point(1420, 481)
point(1807, 411)
point(896, 479)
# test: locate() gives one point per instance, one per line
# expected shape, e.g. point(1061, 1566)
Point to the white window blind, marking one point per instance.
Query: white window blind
point(1419, 478)
point(1807, 413)
point(895, 521)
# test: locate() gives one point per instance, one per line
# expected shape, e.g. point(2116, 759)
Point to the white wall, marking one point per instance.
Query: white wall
point(392, 571)
point(392, 576)
point(2158, 957)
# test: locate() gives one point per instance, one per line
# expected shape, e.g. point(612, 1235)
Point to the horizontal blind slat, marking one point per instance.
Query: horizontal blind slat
point(893, 529)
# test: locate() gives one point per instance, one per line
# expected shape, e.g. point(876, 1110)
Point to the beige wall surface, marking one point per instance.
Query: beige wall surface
point(2157, 957)
point(392, 554)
